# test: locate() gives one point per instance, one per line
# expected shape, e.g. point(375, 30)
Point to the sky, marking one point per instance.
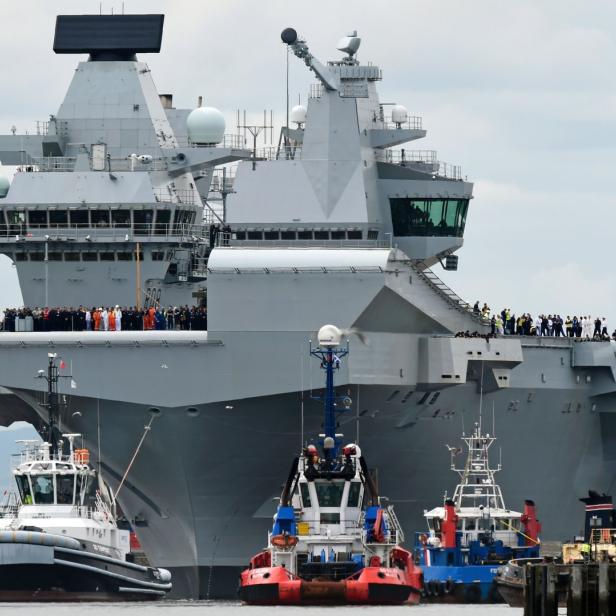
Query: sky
point(521, 94)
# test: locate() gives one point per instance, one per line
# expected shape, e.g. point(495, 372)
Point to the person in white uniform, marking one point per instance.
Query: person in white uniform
point(118, 318)
point(105, 317)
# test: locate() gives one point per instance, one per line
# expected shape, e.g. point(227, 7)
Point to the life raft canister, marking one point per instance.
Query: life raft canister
point(284, 541)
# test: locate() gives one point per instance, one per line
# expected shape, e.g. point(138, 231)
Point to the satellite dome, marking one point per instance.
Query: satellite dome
point(329, 336)
point(205, 125)
point(298, 114)
point(399, 114)
point(4, 186)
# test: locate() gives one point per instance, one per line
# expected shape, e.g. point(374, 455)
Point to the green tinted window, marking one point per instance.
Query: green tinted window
point(305, 494)
point(428, 217)
point(329, 493)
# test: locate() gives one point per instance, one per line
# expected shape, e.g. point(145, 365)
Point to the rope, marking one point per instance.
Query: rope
point(515, 530)
point(145, 432)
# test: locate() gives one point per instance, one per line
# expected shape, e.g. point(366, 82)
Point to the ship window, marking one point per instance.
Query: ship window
point(80, 218)
point(37, 256)
point(304, 235)
point(71, 256)
point(305, 495)
point(21, 256)
point(54, 256)
point(65, 486)
point(255, 235)
point(143, 221)
point(330, 518)
point(503, 524)
point(158, 255)
point(43, 489)
point(90, 256)
point(163, 218)
point(354, 235)
point(120, 218)
point(37, 219)
point(373, 234)
point(240, 235)
point(471, 524)
point(125, 256)
point(271, 235)
point(24, 489)
point(354, 490)
point(329, 494)
point(428, 217)
point(338, 235)
point(17, 221)
point(287, 235)
point(100, 218)
point(321, 235)
point(107, 256)
point(58, 218)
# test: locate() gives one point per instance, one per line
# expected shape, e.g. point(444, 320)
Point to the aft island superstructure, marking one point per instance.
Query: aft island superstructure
point(342, 210)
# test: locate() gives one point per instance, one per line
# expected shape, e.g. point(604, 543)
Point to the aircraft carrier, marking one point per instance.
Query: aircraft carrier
point(341, 223)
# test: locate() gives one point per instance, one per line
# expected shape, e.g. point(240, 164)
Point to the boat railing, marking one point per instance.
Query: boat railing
point(395, 524)
point(306, 529)
point(53, 164)
point(400, 156)
point(411, 123)
point(224, 239)
point(448, 294)
point(282, 152)
point(603, 535)
point(171, 195)
point(229, 141)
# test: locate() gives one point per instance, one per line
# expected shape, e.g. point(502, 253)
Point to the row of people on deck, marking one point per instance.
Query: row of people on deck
point(104, 319)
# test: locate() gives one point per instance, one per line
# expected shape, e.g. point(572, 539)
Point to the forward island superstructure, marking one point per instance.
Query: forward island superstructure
point(343, 210)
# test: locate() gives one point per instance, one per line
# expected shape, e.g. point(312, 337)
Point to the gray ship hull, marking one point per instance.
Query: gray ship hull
point(206, 476)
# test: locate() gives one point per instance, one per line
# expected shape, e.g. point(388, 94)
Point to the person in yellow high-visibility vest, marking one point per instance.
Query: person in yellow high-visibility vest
point(585, 551)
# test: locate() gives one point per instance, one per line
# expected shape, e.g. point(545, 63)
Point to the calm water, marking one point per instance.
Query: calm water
point(230, 609)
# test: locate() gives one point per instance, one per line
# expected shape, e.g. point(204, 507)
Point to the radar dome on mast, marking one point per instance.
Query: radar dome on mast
point(205, 126)
point(5, 184)
point(329, 336)
point(298, 114)
point(399, 114)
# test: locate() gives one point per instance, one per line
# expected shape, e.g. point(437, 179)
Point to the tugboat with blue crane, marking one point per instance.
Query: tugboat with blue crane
point(473, 533)
point(332, 541)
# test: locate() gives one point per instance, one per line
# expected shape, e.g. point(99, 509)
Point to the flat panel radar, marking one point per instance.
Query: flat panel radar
point(114, 37)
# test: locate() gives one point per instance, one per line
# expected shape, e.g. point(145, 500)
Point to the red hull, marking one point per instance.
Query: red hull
point(371, 586)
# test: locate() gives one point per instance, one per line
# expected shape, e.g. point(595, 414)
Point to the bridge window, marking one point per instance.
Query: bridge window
point(305, 495)
point(43, 489)
point(90, 256)
point(100, 218)
point(329, 493)
point(354, 490)
point(163, 218)
point(255, 235)
point(428, 217)
point(72, 256)
point(287, 235)
point(304, 235)
point(24, 489)
point(354, 235)
point(65, 485)
point(338, 235)
point(271, 235)
point(143, 221)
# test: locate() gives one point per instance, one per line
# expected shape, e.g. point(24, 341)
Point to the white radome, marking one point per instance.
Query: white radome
point(329, 336)
point(298, 114)
point(205, 125)
point(399, 114)
point(4, 186)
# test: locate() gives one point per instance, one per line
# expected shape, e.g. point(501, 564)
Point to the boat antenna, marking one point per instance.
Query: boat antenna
point(357, 416)
point(286, 133)
point(493, 419)
point(301, 404)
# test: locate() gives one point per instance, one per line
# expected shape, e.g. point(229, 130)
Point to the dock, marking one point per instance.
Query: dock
point(586, 589)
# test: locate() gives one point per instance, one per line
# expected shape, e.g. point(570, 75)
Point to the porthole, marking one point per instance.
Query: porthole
point(192, 412)
point(154, 410)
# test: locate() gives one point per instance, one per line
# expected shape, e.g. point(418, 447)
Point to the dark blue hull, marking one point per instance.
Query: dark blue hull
point(468, 584)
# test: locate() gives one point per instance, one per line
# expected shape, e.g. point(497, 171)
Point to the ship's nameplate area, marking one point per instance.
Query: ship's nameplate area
point(103, 33)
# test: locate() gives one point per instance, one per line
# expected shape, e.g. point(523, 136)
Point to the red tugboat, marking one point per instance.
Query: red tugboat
point(332, 541)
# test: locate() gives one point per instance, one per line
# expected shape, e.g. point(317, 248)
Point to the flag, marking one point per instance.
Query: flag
point(73, 384)
point(62, 364)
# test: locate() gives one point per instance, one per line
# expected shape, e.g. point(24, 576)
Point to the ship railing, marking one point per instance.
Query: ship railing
point(411, 123)
point(306, 529)
point(229, 239)
point(282, 152)
point(449, 171)
point(395, 524)
point(316, 90)
point(167, 194)
point(229, 141)
point(223, 180)
point(400, 156)
point(393, 536)
point(448, 294)
point(67, 163)
point(42, 127)
point(603, 535)
point(103, 231)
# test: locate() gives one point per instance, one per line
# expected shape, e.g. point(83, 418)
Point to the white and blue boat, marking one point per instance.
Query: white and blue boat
point(473, 533)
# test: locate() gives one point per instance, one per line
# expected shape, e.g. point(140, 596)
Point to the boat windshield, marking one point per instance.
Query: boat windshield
point(354, 490)
point(43, 489)
point(329, 493)
point(305, 495)
point(65, 485)
point(23, 485)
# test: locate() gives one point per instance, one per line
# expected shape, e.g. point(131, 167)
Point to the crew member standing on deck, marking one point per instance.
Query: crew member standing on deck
point(112, 324)
point(118, 318)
